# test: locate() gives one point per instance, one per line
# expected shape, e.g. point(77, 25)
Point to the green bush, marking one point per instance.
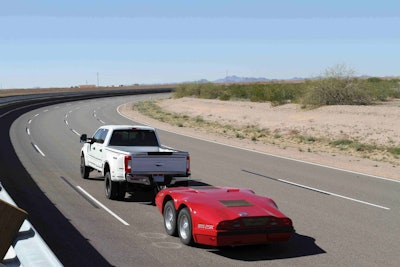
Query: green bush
point(336, 91)
point(381, 90)
point(225, 96)
point(210, 90)
point(342, 142)
point(186, 89)
point(278, 93)
point(238, 91)
point(339, 86)
point(395, 150)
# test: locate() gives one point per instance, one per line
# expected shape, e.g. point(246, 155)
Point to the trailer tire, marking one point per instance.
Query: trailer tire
point(185, 227)
point(170, 218)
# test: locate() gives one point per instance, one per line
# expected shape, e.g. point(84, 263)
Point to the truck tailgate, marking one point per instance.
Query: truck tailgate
point(168, 163)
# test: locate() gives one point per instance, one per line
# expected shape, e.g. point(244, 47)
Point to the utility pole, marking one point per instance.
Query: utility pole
point(97, 79)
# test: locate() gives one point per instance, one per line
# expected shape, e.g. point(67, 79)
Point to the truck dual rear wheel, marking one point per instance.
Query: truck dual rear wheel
point(111, 187)
point(121, 190)
point(114, 190)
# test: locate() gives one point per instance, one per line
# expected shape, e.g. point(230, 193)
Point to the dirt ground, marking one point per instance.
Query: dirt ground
point(376, 124)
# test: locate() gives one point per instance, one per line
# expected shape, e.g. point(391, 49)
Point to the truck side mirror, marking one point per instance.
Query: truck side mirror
point(83, 138)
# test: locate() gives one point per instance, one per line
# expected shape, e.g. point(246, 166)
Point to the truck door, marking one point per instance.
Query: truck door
point(97, 148)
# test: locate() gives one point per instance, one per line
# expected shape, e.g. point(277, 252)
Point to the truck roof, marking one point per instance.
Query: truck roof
point(124, 127)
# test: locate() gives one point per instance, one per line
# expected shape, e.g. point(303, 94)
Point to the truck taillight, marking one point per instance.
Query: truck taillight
point(188, 164)
point(128, 164)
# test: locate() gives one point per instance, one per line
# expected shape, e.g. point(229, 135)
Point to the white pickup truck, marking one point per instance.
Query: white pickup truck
point(130, 158)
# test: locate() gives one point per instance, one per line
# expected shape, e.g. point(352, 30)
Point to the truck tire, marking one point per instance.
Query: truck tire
point(111, 188)
point(170, 217)
point(121, 190)
point(85, 170)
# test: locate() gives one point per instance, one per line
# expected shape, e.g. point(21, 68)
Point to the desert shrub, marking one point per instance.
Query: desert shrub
point(307, 139)
point(341, 142)
point(277, 93)
point(374, 80)
point(337, 91)
point(238, 91)
point(201, 90)
point(383, 89)
point(199, 119)
point(210, 90)
point(225, 96)
point(395, 150)
point(187, 89)
point(363, 147)
point(337, 87)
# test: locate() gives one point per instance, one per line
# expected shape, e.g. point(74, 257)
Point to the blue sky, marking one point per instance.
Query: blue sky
point(47, 43)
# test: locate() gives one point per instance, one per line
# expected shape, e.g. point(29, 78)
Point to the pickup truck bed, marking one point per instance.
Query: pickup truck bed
point(131, 157)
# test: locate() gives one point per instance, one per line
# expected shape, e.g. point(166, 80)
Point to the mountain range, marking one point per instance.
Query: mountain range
point(237, 79)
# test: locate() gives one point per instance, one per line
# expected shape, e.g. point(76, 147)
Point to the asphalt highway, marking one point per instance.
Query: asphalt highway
point(341, 218)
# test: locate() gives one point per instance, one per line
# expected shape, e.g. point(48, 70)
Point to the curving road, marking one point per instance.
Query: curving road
point(341, 218)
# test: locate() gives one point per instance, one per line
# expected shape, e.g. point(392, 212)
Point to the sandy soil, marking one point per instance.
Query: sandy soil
point(367, 124)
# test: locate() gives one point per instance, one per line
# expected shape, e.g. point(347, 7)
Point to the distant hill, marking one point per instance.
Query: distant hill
point(237, 79)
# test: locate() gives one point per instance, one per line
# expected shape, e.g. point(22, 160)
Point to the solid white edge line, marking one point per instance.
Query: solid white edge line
point(271, 155)
point(104, 207)
point(333, 194)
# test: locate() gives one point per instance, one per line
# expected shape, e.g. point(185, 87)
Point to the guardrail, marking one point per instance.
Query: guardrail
point(28, 248)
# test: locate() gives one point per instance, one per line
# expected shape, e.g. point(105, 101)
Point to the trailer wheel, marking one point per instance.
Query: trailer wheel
point(185, 227)
point(85, 170)
point(170, 216)
point(111, 188)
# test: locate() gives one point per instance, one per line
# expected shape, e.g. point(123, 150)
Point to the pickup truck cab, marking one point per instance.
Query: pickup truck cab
point(131, 157)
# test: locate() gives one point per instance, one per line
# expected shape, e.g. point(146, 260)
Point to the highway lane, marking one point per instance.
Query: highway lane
point(341, 218)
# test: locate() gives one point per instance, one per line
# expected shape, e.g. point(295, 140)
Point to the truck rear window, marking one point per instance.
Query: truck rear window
point(133, 138)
